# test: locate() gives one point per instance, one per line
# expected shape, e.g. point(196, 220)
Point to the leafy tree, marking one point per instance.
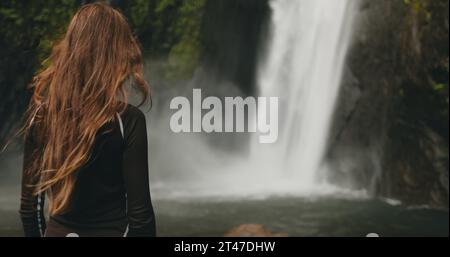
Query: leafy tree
point(27, 31)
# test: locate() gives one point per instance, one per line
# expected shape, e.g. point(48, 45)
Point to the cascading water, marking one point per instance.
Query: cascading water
point(303, 66)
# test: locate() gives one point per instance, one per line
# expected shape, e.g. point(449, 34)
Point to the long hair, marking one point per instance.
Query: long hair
point(82, 89)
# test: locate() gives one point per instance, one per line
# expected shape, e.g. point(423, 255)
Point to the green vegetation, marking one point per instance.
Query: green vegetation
point(34, 25)
point(167, 28)
point(426, 64)
point(170, 28)
point(27, 32)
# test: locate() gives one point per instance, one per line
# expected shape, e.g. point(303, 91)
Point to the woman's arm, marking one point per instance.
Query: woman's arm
point(140, 213)
point(31, 206)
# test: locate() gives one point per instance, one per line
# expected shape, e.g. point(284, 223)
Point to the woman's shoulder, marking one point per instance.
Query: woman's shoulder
point(133, 111)
point(133, 114)
point(133, 122)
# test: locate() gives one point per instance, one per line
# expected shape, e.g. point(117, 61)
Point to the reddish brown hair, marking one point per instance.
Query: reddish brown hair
point(80, 91)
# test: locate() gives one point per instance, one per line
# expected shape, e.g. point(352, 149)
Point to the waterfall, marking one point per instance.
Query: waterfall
point(303, 66)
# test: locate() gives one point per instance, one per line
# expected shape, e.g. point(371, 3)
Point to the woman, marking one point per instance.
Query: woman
point(85, 147)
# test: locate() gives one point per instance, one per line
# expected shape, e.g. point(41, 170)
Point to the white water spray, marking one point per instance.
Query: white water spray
point(303, 66)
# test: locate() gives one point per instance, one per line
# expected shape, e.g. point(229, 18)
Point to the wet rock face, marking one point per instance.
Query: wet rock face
point(419, 175)
point(388, 135)
point(360, 123)
point(233, 32)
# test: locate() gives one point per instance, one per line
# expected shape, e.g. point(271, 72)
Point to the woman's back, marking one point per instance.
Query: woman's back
point(111, 194)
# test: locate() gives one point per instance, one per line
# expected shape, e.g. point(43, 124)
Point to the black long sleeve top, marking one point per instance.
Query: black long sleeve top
point(111, 191)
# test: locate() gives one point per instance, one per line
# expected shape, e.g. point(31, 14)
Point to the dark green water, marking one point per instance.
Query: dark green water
point(295, 216)
point(300, 217)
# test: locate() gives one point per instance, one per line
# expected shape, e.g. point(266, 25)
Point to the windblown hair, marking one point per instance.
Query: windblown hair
point(82, 89)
